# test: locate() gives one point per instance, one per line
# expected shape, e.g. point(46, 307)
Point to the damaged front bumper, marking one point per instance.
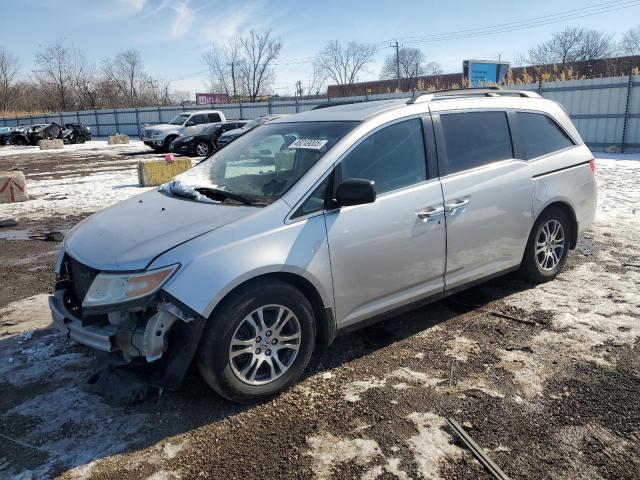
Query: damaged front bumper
point(92, 336)
point(132, 333)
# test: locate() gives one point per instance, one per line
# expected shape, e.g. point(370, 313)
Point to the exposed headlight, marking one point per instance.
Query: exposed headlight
point(114, 288)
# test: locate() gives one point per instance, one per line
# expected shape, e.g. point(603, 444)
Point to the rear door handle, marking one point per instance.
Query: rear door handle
point(430, 213)
point(456, 207)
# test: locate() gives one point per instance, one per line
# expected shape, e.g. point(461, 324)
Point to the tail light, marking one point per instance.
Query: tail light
point(592, 164)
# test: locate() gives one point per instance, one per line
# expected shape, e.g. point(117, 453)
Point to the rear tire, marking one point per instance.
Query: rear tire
point(547, 247)
point(258, 342)
point(80, 139)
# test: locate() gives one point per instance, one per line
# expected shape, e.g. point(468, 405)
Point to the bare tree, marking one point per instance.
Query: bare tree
point(126, 71)
point(571, 45)
point(54, 71)
point(412, 65)
point(315, 82)
point(595, 45)
point(433, 68)
point(259, 51)
point(223, 64)
point(342, 64)
point(8, 71)
point(84, 81)
point(630, 43)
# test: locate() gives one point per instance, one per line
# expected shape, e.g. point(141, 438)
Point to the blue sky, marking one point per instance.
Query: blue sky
point(172, 34)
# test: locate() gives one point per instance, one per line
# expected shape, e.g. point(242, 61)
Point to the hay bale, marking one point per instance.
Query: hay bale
point(13, 187)
point(118, 139)
point(56, 144)
point(157, 172)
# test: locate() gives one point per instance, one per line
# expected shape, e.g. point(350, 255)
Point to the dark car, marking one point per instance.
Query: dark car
point(205, 142)
point(233, 134)
point(32, 134)
point(4, 133)
point(75, 133)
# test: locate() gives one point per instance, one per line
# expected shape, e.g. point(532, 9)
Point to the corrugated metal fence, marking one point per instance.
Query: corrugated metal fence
point(606, 111)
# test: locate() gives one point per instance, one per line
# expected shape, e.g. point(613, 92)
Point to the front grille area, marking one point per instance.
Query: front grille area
point(80, 279)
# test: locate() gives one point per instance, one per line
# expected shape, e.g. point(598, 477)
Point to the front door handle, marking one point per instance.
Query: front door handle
point(430, 213)
point(456, 207)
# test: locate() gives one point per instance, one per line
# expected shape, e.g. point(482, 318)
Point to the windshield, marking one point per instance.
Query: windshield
point(179, 119)
point(263, 164)
point(249, 125)
point(211, 129)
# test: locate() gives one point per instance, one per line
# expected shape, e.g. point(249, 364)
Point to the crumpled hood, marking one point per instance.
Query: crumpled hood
point(129, 235)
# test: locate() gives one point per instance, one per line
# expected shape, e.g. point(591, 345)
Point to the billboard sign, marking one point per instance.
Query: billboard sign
point(210, 98)
point(482, 73)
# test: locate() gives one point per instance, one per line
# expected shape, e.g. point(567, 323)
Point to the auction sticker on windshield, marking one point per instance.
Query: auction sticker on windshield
point(308, 143)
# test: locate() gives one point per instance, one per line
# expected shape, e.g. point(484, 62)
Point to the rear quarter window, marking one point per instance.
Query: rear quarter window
point(540, 135)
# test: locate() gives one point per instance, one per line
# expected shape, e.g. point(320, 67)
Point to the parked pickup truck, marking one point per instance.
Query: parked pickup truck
point(159, 137)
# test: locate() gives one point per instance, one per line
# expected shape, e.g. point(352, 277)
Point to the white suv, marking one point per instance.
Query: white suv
point(159, 137)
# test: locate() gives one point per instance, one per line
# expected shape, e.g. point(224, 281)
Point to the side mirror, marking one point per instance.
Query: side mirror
point(356, 191)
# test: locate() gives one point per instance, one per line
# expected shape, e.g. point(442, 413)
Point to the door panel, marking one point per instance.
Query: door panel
point(383, 255)
point(488, 195)
point(489, 233)
point(391, 252)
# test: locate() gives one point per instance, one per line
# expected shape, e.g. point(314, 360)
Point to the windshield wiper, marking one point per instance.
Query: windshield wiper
point(216, 194)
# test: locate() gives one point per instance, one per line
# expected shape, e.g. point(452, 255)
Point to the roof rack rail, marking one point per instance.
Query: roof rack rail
point(494, 91)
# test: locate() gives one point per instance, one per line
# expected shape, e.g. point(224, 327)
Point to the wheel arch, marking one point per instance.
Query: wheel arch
point(571, 215)
point(324, 316)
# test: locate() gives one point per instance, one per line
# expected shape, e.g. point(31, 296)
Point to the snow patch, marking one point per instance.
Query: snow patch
point(354, 389)
point(461, 348)
point(327, 451)
point(432, 444)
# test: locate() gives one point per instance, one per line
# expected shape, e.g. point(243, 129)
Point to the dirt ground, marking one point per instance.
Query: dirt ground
point(546, 379)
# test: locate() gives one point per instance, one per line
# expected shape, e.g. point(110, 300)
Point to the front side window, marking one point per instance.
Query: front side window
point(315, 201)
point(393, 157)
point(540, 135)
point(179, 119)
point(260, 166)
point(474, 139)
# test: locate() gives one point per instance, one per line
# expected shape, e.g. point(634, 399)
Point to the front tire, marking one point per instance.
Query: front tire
point(167, 144)
point(202, 149)
point(547, 247)
point(258, 342)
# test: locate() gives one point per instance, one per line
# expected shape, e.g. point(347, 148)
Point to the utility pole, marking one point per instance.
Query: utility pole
point(397, 47)
point(299, 88)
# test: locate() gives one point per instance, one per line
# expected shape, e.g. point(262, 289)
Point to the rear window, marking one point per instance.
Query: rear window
point(474, 139)
point(540, 135)
point(214, 117)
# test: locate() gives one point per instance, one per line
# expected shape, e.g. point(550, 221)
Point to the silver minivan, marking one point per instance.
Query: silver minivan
point(320, 222)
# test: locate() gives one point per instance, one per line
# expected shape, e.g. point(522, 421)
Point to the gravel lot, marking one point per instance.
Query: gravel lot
point(546, 379)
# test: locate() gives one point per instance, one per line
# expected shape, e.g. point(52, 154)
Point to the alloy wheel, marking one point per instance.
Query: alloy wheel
point(265, 344)
point(550, 245)
point(202, 149)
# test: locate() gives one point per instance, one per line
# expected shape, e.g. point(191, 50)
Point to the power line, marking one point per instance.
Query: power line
point(566, 13)
point(522, 26)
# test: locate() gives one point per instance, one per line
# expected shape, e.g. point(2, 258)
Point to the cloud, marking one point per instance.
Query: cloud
point(183, 20)
point(136, 5)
